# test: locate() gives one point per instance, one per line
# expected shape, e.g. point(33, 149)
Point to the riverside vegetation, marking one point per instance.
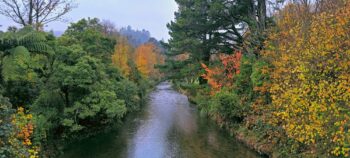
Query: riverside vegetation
point(56, 89)
point(274, 73)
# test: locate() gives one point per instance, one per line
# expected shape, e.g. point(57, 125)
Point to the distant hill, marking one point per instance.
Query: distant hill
point(135, 37)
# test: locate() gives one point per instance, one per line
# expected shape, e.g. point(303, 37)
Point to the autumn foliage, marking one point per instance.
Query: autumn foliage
point(122, 55)
point(223, 74)
point(147, 56)
point(298, 89)
point(310, 79)
point(21, 139)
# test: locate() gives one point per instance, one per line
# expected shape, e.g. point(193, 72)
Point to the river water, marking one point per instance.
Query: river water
point(168, 127)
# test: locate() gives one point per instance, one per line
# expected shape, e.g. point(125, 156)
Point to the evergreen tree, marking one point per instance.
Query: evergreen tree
point(202, 28)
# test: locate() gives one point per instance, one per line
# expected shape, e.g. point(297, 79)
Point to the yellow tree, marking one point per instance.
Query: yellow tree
point(121, 56)
point(146, 57)
point(311, 78)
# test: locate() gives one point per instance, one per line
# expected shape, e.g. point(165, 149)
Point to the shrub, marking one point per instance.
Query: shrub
point(228, 105)
point(128, 91)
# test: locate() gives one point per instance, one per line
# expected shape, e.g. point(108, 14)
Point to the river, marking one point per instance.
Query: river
point(168, 127)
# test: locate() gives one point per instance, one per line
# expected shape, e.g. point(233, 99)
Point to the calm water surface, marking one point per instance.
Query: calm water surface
point(168, 127)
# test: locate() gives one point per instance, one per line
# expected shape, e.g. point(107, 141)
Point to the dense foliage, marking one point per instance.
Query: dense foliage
point(285, 89)
point(275, 73)
point(310, 83)
point(66, 87)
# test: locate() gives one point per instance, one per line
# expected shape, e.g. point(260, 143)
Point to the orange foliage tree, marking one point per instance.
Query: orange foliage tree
point(147, 56)
point(223, 75)
point(21, 140)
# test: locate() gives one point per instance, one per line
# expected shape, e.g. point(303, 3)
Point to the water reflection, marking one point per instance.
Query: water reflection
point(169, 127)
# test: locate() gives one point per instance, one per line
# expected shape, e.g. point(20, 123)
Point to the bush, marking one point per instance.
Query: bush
point(259, 75)
point(16, 132)
point(243, 84)
point(128, 91)
point(6, 128)
point(228, 105)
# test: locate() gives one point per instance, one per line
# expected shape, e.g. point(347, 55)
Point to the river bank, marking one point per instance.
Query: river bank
point(239, 132)
point(168, 126)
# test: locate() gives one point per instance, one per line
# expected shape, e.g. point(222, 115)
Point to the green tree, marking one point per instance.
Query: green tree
point(81, 88)
point(203, 28)
point(89, 34)
point(24, 61)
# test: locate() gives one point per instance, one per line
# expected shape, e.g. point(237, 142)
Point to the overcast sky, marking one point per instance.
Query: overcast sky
point(152, 15)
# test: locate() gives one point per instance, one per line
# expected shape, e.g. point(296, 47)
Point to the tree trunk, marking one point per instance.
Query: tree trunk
point(65, 95)
point(262, 15)
point(30, 14)
point(252, 13)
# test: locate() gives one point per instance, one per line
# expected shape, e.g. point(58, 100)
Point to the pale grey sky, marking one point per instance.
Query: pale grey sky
point(152, 15)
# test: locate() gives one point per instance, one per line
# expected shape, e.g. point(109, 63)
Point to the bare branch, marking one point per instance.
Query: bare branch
point(35, 12)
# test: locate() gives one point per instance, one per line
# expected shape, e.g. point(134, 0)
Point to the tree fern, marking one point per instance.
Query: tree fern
point(16, 66)
point(34, 41)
